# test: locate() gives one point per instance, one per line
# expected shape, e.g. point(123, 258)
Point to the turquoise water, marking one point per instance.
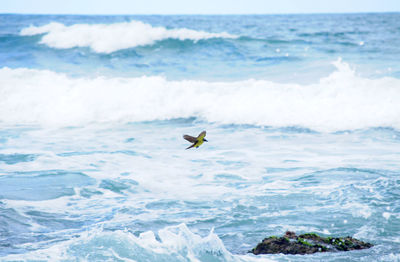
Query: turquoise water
point(302, 119)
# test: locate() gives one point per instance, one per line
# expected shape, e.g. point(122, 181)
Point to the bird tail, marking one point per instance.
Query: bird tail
point(190, 146)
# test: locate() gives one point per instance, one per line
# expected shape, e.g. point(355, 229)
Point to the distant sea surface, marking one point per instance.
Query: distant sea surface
point(302, 114)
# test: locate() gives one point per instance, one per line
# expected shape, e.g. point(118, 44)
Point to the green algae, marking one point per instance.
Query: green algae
point(307, 243)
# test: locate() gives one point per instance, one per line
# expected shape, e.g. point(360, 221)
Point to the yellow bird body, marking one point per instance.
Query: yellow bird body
point(197, 141)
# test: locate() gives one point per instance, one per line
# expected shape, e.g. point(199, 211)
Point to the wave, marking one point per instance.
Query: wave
point(108, 38)
point(340, 101)
point(175, 243)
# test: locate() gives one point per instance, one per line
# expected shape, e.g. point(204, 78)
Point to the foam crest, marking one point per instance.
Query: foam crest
point(108, 38)
point(341, 101)
point(176, 243)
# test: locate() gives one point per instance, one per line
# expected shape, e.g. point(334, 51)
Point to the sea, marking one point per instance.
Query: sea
point(302, 114)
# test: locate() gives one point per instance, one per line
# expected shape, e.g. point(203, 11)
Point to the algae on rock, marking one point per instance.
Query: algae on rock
point(308, 243)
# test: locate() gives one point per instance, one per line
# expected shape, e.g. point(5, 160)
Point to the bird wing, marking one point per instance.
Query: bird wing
point(202, 135)
point(190, 138)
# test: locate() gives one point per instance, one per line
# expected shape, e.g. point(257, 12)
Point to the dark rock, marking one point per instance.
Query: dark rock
point(307, 244)
point(290, 234)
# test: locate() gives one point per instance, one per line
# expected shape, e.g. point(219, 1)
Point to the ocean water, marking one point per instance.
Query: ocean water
point(302, 114)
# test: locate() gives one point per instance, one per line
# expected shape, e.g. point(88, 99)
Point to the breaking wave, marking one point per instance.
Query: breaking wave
point(108, 38)
point(175, 243)
point(340, 101)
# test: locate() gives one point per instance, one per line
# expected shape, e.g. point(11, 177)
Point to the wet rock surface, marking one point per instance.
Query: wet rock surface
point(308, 243)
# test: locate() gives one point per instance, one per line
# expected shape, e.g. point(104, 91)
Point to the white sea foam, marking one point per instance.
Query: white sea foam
point(103, 38)
point(176, 243)
point(341, 101)
point(390, 257)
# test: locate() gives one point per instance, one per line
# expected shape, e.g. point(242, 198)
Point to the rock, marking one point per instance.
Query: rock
point(308, 243)
point(290, 235)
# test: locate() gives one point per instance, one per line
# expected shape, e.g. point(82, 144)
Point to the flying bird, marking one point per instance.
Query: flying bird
point(197, 141)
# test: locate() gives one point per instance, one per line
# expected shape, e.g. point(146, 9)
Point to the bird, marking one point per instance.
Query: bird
point(197, 141)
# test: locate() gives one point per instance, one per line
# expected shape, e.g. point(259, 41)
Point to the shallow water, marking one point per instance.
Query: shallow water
point(94, 167)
